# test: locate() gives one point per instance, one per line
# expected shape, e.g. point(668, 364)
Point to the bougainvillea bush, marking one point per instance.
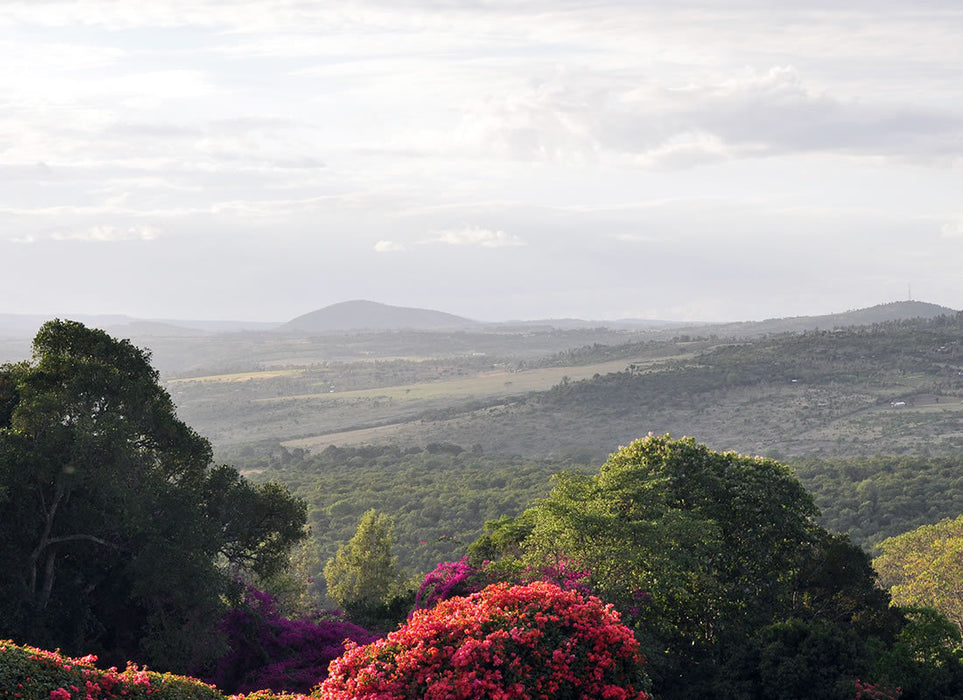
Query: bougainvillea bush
point(460, 578)
point(510, 642)
point(29, 673)
point(447, 580)
point(271, 651)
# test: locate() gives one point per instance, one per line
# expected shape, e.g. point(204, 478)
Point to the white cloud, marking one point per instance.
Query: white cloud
point(388, 247)
point(953, 229)
point(476, 236)
point(109, 234)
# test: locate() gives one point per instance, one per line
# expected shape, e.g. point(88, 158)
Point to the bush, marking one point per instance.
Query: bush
point(35, 674)
point(269, 651)
point(531, 641)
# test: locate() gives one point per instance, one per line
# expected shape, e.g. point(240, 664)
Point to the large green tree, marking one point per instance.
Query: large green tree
point(704, 542)
point(117, 532)
point(712, 557)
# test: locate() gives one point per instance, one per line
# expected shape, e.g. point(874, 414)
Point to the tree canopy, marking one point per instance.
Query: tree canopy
point(710, 557)
point(363, 576)
point(117, 530)
point(924, 567)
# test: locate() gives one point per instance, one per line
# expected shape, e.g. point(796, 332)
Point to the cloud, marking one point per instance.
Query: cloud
point(388, 247)
point(476, 236)
point(587, 115)
point(109, 234)
point(953, 229)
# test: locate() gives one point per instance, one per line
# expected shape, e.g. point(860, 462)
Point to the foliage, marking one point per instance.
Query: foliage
point(363, 577)
point(438, 502)
point(505, 641)
point(113, 521)
point(717, 563)
point(874, 498)
point(924, 567)
point(271, 651)
point(926, 659)
point(707, 538)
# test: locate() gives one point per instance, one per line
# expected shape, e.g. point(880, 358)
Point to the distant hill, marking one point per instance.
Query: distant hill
point(363, 315)
point(881, 313)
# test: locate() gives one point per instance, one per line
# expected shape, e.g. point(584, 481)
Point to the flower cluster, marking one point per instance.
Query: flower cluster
point(535, 641)
point(449, 579)
point(567, 573)
point(459, 578)
point(271, 651)
point(869, 691)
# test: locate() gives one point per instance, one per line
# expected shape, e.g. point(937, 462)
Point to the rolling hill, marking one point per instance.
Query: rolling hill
point(361, 315)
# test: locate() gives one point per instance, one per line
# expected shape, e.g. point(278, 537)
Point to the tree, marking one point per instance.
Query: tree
point(924, 567)
point(701, 552)
point(116, 529)
point(702, 544)
point(363, 577)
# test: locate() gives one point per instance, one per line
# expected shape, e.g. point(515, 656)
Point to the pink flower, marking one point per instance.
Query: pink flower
point(531, 641)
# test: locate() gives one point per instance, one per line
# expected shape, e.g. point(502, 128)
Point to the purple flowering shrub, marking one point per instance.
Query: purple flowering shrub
point(271, 651)
point(459, 578)
point(449, 579)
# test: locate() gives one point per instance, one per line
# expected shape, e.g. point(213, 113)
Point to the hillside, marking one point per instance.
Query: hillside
point(369, 315)
point(886, 389)
point(881, 313)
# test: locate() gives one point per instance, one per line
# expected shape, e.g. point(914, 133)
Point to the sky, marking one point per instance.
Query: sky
point(257, 160)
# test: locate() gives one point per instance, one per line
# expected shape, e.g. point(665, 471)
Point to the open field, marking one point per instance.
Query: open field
point(240, 376)
point(300, 403)
point(483, 385)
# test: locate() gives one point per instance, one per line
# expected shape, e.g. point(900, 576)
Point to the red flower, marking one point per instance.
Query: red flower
point(532, 641)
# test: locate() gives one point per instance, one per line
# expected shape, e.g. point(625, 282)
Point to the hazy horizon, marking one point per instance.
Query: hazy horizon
point(694, 161)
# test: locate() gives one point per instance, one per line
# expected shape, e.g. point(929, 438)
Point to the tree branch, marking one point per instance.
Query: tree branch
point(89, 538)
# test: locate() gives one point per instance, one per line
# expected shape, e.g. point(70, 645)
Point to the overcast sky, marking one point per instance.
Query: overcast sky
point(256, 160)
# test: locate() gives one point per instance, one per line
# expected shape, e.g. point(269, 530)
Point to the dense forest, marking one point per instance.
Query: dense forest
point(440, 496)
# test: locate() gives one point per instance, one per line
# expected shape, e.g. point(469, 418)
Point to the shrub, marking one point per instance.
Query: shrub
point(531, 641)
point(35, 674)
point(460, 578)
point(269, 651)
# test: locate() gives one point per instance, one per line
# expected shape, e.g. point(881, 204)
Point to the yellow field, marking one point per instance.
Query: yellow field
point(482, 385)
point(241, 376)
